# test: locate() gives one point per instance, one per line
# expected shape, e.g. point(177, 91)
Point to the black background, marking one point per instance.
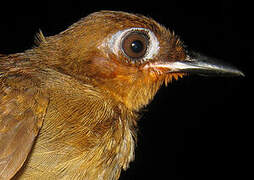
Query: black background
point(197, 127)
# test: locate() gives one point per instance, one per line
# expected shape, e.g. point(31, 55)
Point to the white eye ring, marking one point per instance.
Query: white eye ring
point(152, 49)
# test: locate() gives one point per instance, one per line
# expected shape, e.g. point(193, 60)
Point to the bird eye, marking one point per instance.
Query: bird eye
point(134, 45)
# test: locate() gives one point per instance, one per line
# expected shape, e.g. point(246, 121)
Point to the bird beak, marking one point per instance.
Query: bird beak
point(196, 63)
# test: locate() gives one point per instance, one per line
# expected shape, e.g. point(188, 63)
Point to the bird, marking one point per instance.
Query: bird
point(70, 105)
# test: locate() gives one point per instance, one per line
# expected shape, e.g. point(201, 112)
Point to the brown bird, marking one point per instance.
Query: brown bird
point(69, 106)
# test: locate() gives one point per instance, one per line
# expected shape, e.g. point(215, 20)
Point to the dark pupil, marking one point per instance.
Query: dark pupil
point(137, 46)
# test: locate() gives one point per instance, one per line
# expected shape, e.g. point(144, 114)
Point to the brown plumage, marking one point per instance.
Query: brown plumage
point(69, 106)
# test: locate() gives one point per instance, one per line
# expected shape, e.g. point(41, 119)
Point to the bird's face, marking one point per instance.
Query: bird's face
point(128, 56)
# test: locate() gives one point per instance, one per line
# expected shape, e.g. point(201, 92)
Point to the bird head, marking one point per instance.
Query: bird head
point(126, 56)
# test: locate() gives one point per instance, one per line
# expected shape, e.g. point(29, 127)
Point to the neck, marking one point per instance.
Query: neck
point(93, 133)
